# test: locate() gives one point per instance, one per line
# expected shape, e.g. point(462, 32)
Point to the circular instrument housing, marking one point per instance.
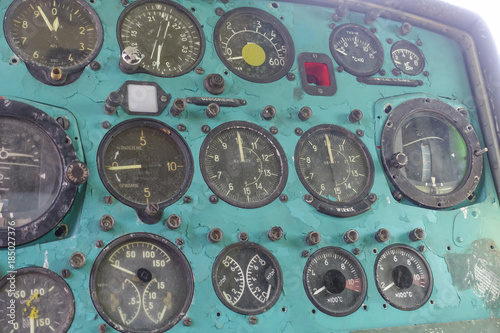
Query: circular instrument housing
point(141, 282)
point(247, 278)
point(254, 45)
point(407, 57)
point(167, 36)
point(243, 164)
point(428, 153)
point(403, 277)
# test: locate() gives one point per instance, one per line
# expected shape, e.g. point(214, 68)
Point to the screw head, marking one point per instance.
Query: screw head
point(290, 76)
point(253, 320)
point(65, 273)
point(215, 235)
point(77, 260)
point(243, 236)
point(305, 254)
point(99, 243)
point(179, 241)
point(214, 199)
point(173, 221)
point(205, 129)
point(187, 321)
point(273, 130)
point(106, 124)
point(103, 328)
point(299, 131)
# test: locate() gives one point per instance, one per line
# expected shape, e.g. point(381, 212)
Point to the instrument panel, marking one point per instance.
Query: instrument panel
point(242, 166)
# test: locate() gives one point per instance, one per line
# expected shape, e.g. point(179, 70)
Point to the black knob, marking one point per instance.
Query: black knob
point(340, 12)
point(268, 113)
point(355, 116)
point(399, 160)
point(113, 101)
point(305, 113)
point(405, 28)
point(212, 110)
point(382, 235)
point(214, 84)
point(178, 107)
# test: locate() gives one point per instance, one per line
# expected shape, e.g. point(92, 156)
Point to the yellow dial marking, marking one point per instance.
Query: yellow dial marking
point(253, 54)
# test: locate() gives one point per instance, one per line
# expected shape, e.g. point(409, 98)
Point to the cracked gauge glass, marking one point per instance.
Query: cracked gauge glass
point(141, 283)
point(43, 302)
point(168, 39)
point(247, 278)
point(254, 45)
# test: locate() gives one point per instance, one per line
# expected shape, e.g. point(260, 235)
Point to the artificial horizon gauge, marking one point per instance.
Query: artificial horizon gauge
point(141, 282)
point(407, 57)
point(35, 156)
point(254, 45)
point(167, 36)
point(403, 277)
point(247, 278)
point(336, 168)
point(55, 39)
point(37, 292)
point(356, 49)
point(144, 162)
point(334, 281)
point(431, 153)
point(243, 164)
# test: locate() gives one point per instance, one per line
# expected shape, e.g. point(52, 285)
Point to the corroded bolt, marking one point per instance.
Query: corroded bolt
point(106, 124)
point(103, 328)
point(351, 236)
point(356, 251)
point(382, 235)
point(99, 243)
point(212, 110)
point(178, 106)
point(273, 130)
point(305, 113)
point(215, 235)
point(152, 209)
point(112, 103)
point(253, 320)
point(187, 321)
point(313, 238)
point(108, 200)
point(107, 222)
point(355, 116)
point(268, 112)
point(205, 129)
point(77, 260)
point(275, 233)
point(305, 254)
point(417, 234)
point(173, 221)
point(243, 236)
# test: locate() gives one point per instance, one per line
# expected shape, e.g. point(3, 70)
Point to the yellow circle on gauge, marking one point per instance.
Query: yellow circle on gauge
point(253, 54)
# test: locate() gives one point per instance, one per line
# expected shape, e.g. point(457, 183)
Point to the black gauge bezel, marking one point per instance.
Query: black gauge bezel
point(358, 204)
point(359, 268)
point(339, 59)
point(427, 268)
point(165, 245)
point(267, 17)
point(43, 72)
point(67, 191)
point(176, 6)
point(280, 155)
point(406, 45)
point(454, 118)
point(248, 246)
point(62, 286)
point(161, 127)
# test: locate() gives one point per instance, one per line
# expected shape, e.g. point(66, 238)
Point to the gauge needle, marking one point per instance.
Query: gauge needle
point(162, 313)
point(329, 146)
point(240, 146)
point(4, 154)
point(388, 287)
point(341, 52)
point(123, 270)
point(32, 325)
point(319, 290)
point(160, 47)
point(235, 58)
point(47, 22)
point(122, 316)
point(55, 25)
point(124, 167)
point(268, 292)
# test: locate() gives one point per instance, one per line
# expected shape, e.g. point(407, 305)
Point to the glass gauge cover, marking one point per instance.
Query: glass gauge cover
point(356, 49)
point(247, 278)
point(35, 153)
point(403, 277)
point(407, 57)
point(335, 281)
point(254, 45)
point(243, 164)
point(45, 34)
point(143, 162)
point(141, 282)
point(336, 168)
point(428, 152)
point(36, 292)
point(168, 37)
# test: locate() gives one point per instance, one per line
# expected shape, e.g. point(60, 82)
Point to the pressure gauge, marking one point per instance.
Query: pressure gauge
point(141, 282)
point(37, 290)
point(336, 168)
point(143, 162)
point(335, 281)
point(403, 277)
point(56, 39)
point(356, 49)
point(407, 57)
point(243, 164)
point(254, 45)
point(168, 38)
point(247, 278)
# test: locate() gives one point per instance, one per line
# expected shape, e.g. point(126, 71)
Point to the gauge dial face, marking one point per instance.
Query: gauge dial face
point(403, 277)
point(167, 35)
point(143, 162)
point(247, 278)
point(243, 164)
point(333, 164)
point(140, 283)
point(356, 49)
point(36, 292)
point(254, 45)
point(407, 57)
point(46, 33)
point(335, 281)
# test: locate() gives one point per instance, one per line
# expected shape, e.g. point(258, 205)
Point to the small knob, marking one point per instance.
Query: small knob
point(130, 59)
point(399, 160)
point(305, 113)
point(313, 238)
point(212, 110)
point(351, 236)
point(178, 107)
point(113, 101)
point(77, 173)
point(405, 28)
point(382, 235)
point(355, 116)
point(107, 222)
point(214, 84)
point(416, 234)
point(372, 16)
point(215, 235)
point(275, 233)
point(268, 113)
point(340, 12)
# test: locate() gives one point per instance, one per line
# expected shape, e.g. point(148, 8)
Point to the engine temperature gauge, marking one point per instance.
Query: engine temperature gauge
point(407, 57)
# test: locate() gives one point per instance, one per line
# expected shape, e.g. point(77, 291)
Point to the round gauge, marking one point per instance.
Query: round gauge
point(141, 282)
point(356, 49)
point(334, 165)
point(168, 37)
point(46, 34)
point(335, 281)
point(243, 164)
point(254, 45)
point(428, 151)
point(247, 278)
point(403, 277)
point(35, 153)
point(143, 162)
point(32, 302)
point(407, 57)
